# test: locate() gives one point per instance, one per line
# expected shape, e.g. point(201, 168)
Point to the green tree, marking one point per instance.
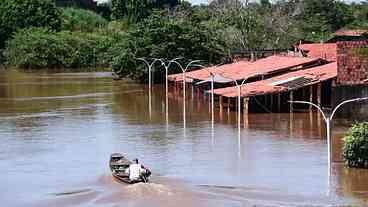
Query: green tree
point(81, 20)
point(356, 146)
point(168, 37)
point(117, 9)
point(360, 13)
point(136, 10)
point(42, 48)
point(104, 9)
point(132, 10)
point(319, 19)
point(265, 3)
point(249, 26)
point(18, 14)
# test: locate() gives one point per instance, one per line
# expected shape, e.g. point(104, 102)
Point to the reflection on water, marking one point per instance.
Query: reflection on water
point(58, 130)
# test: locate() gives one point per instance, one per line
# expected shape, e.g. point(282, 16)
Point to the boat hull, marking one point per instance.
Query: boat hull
point(118, 166)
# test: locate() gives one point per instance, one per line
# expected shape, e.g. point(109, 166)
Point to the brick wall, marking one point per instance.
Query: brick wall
point(352, 64)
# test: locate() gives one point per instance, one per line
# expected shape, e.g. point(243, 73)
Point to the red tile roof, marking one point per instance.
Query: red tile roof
point(277, 84)
point(243, 69)
point(327, 51)
point(203, 74)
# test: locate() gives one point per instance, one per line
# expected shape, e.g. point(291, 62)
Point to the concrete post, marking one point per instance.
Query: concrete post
point(221, 100)
point(246, 106)
point(311, 97)
point(246, 112)
point(212, 102)
point(291, 124)
point(319, 91)
point(192, 91)
point(271, 104)
point(291, 99)
point(279, 102)
point(228, 105)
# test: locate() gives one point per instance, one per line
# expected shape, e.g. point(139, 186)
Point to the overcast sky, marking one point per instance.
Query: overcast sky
point(205, 1)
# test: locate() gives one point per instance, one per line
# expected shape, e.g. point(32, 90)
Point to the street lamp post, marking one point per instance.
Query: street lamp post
point(184, 70)
point(239, 94)
point(328, 120)
point(150, 66)
point(212, 76)
point(212, 100)
point(239, 108)
point(167, 66)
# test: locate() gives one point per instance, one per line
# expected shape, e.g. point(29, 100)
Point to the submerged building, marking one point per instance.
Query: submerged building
point(322, 73)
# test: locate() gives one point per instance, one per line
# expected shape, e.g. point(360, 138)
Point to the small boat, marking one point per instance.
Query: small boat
point(118, 166)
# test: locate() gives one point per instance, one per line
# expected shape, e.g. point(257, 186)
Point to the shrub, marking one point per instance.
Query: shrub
point(2, 59)
point(81, 20)
point(18, 14)
point(42, 48)
point(356, 146)
point(118, 26)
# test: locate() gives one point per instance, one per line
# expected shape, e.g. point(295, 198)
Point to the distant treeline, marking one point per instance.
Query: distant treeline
point(38, 34)
point(84, 4)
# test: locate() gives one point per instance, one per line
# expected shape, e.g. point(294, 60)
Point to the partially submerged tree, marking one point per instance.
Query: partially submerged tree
point(356, 146)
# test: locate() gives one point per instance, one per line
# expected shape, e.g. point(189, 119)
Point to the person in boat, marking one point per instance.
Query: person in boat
point(136, 170)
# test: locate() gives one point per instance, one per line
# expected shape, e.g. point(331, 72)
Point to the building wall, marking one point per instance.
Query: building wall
point(352, 79)
point(352, 63)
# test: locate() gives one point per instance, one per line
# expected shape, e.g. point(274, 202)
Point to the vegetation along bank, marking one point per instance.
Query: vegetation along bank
point(36, 34)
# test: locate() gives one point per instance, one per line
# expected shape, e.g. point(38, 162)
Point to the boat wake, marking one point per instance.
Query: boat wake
point(72, 192)
point(149, 189)
point(162, 191)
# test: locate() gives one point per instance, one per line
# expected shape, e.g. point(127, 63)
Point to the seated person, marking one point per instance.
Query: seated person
point(135, 170)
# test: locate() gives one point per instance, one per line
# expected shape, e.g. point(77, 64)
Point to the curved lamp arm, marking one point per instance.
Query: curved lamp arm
point(177, 63)
point(316, 106)
point(147, 63)
point(144, 60)
point(236, 83)
point(244, 80)
point(188, 65)
point(154, 61)
point(344, 102)
point(171, 61)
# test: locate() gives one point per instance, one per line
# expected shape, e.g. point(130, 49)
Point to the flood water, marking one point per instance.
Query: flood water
point(58, 130)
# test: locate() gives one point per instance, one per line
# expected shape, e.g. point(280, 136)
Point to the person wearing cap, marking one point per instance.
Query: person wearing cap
point(135, 170)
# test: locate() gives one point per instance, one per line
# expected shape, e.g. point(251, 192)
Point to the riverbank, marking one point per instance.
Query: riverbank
point(56, 70)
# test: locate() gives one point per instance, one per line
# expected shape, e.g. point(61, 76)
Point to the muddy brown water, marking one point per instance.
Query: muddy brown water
point(58, 130)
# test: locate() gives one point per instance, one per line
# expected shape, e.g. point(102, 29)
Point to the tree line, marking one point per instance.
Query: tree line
point(37, 34)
